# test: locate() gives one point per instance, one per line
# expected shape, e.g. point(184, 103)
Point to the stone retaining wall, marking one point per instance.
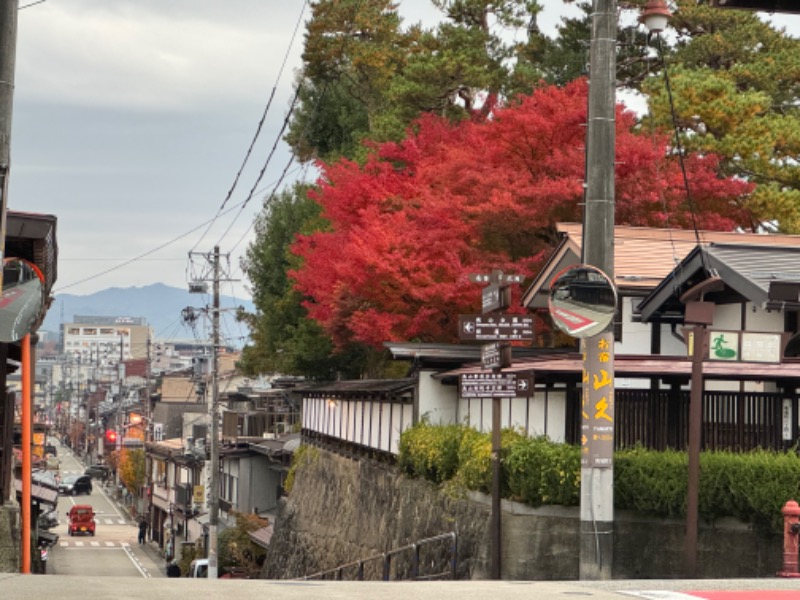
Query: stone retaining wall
point(342, 510)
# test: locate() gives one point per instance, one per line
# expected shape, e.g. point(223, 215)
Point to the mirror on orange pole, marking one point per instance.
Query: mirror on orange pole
point(22, 299)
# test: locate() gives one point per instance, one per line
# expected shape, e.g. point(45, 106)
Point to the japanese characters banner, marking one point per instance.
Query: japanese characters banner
point(597, 402)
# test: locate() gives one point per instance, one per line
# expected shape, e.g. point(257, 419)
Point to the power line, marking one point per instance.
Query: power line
point(145, 254)
point(258, 131)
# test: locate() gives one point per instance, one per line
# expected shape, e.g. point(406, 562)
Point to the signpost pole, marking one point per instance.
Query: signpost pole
point(496, 505)
point(495, 356)
point(693, 475)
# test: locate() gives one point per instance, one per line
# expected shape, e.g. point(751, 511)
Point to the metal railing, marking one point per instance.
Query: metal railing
point(384, 561)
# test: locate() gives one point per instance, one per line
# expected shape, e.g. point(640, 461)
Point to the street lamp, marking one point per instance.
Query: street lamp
point(655, 16)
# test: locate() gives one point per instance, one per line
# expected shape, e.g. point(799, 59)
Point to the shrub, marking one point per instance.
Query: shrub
point(304, 455)
point(751, 486)
point(651, 482)
point(541, 472)
point(430, 451)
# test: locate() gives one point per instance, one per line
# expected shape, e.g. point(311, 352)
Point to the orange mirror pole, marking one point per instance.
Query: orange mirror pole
point(27, 448)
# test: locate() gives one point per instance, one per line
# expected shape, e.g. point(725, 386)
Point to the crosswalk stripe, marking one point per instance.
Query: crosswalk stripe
point(93, 544)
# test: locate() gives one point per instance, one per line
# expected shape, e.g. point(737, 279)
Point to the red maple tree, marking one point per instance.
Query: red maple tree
point(410, 225)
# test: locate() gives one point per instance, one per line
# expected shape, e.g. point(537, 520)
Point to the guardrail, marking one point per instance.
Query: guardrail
point(385, 560)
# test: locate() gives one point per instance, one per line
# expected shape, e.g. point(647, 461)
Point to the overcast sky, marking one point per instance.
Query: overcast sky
point(132, 118)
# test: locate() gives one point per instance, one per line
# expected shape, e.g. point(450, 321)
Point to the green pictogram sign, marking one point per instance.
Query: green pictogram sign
point(724, 346)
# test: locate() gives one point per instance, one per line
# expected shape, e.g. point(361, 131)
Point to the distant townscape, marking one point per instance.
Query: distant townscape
point(161, 306)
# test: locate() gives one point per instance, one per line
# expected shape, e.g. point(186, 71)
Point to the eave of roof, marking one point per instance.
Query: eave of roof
point(42, 494)
point(361, 386)
point(649, 366)
point(643, 256)
point(262, 536)
point(747, 271)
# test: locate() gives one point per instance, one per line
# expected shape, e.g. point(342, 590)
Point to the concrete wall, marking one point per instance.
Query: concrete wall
point(341, 510)
point(9, 539)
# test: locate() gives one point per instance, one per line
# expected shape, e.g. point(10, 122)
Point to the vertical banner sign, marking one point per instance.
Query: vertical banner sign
point(597, 406)
point(786, 429)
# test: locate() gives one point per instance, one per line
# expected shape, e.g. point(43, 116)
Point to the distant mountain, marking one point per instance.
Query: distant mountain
point(160, 305)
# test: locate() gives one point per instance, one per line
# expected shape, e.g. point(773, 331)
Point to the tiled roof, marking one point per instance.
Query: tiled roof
point(643, 256)
point(262, 536)
point(747, 270)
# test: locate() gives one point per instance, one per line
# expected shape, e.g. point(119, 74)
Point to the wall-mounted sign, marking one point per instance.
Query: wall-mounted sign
point(723, 345)
point(747, 346)
point(786, 420)
point(761, 347)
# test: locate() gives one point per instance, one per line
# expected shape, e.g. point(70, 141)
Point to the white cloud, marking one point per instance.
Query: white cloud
point(138, 55)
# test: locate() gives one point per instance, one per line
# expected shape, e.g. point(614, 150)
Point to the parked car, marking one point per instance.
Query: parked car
point(81, 520)
point(97, 471)
point(75, 484)
point(198, 568)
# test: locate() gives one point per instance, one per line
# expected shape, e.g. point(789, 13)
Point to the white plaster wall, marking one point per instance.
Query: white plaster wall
point(542, 414)
point(671, 345)
point(759, 319)
point(635, 336)
point(728, 316)
point(437, 402)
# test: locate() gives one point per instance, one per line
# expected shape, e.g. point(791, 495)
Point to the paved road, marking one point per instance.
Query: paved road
point(114, 550)
point(125, 588)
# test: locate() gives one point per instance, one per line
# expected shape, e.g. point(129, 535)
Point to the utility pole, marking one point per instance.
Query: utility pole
point(213, 413)
point(8, 56)
point(213, 502)
point(597, 471)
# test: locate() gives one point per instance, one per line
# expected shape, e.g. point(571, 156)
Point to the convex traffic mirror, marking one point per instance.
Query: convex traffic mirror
point(22, 299)
point(582, 301)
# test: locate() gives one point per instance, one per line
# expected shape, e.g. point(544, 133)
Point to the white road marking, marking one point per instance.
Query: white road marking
point(660, 595)
point(135, 561)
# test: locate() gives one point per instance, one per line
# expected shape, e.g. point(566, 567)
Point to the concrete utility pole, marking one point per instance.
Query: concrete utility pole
point(597, 470)
point(8, 56)
point(213, 492)
point(213, 412)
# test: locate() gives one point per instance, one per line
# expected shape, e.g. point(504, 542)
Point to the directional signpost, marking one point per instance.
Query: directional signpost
point(488, 385)
point(498, 329)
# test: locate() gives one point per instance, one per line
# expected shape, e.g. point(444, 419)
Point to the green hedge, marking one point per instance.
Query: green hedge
point(751, 486)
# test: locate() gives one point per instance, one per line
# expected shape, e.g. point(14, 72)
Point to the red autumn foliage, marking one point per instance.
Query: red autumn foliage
point(408, 227)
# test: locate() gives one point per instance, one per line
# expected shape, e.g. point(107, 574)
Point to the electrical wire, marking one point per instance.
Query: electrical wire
point(259, 127)
point(678, 145)
point(143, 255)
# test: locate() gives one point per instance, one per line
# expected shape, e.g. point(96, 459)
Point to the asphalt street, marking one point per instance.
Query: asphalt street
point(15, 587)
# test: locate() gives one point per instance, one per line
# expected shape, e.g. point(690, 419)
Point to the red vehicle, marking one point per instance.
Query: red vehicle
point(81, 520)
